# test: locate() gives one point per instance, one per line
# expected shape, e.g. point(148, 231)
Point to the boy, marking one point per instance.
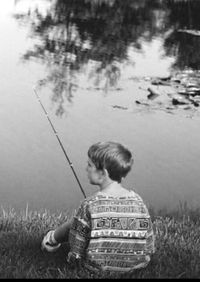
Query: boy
point(112, 230)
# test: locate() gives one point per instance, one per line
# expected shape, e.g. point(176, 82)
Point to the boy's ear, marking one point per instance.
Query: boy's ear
point(105, 172)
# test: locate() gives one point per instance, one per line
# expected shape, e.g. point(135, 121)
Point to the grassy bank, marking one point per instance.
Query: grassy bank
point(177, 246)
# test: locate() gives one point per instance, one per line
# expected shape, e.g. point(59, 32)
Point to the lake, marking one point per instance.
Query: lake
point(90, 63)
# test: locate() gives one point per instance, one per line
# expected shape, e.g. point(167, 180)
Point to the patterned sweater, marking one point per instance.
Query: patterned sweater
point(112, 233)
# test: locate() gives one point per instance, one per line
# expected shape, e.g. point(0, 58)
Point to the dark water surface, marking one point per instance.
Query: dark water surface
point(89, 62)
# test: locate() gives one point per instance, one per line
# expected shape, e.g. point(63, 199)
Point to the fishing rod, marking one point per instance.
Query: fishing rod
point(70, 163)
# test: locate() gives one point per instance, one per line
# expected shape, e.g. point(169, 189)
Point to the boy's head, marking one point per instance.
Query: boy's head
point(113, 157)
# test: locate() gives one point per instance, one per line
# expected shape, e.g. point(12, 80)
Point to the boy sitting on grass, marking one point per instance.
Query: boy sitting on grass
point(112, 230)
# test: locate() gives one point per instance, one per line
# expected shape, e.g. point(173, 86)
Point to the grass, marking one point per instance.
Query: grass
point(177, 246)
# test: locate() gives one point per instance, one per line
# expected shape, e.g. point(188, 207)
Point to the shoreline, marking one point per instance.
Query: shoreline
point(177, 246)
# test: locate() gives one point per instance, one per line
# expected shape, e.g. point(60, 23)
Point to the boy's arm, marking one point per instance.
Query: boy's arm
point(79, 233)
point(61, 233)
point(150, 239)
point(53, 239)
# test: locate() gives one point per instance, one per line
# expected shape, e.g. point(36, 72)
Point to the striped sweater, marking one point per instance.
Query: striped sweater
point(112, 233)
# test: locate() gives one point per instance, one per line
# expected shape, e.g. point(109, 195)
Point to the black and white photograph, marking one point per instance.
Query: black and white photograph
point(100, 139)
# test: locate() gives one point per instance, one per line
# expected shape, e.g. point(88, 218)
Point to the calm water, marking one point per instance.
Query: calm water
point(90, 61)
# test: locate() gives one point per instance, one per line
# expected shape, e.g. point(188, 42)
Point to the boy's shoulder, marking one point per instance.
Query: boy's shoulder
point(89, 199)
point(137, 197)
point(100, 196)
point(133, 201)
point(92, 198)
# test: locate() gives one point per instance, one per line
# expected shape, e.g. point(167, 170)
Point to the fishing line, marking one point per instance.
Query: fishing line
point(56, 134)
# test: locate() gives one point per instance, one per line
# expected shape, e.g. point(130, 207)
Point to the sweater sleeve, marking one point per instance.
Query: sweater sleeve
point(150, 236)
point(150, 240)
point(79, 234)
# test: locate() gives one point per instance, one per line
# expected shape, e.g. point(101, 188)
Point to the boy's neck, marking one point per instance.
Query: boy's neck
point(113, 188)
point(109, 185)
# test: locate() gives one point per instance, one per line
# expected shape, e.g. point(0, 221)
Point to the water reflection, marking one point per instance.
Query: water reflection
point(90, 37)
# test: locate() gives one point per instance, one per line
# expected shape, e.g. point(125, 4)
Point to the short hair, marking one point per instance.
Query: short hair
point(112, 156)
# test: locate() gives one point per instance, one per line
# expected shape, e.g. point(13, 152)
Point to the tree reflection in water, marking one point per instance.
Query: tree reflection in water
point(74, 33)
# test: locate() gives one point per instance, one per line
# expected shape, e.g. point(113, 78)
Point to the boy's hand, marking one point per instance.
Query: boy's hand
point(49, 243)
